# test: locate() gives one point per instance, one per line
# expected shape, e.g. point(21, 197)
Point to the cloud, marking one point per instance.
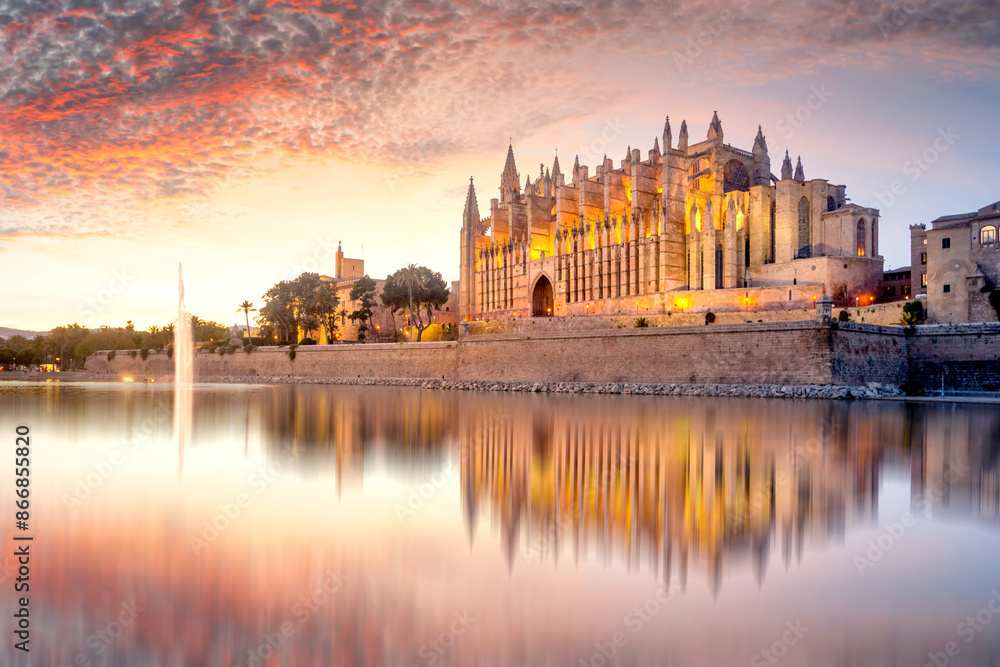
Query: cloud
point(106, 104)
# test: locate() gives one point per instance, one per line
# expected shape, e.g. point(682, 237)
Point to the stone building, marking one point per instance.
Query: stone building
point(347, 271)
point(959, 260)
point(695, 226)
point(897, 284)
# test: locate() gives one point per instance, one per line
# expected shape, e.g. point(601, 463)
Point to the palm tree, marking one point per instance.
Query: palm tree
point(154, 335)
point(410, 278)
point(246, 307)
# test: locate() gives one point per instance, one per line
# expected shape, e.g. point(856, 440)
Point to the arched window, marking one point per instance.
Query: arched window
point(718, 265)
point(804, 242)
point(831, 204)
point(873, 248)
point(988, 235)
point(735, 177)
point(772, 230)
point(861, 237)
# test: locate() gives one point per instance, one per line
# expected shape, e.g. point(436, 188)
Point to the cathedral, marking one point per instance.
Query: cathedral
point(693, 227)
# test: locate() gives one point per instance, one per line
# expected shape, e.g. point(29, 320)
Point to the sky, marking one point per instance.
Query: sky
point(245, 139)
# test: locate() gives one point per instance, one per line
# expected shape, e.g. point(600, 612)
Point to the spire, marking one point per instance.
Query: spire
point(715, 128)
point(786, 168)
point(509, 179)
point(667, 135)
point(682, 138)
point(556, 172)
point(759, 145)
point(471, 216)
point(800, 175)
point(656, 145)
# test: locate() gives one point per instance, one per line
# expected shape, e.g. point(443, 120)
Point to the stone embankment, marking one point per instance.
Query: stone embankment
point(872, 390)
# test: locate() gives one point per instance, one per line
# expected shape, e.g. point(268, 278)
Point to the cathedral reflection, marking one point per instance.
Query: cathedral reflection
point(709, 485)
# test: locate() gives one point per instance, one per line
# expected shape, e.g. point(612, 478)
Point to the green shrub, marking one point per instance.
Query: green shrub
point(143, 353)
point(170, 353)
point(291, 352)
point(914, 313)
point(709, 317)
point(111, 355)
point(132, 353)
point(641, 323)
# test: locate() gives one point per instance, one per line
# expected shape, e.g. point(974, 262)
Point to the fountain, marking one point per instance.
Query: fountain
point(183, 373)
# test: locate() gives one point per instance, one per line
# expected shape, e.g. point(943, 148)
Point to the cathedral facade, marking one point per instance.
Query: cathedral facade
point(694, 226)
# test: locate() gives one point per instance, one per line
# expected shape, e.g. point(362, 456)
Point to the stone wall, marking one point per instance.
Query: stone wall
point(886, 314)
point(863, 353)
point(963, 357)
point(783, 353)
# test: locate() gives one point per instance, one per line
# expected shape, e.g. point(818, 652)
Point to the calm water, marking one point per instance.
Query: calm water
point(385, 526)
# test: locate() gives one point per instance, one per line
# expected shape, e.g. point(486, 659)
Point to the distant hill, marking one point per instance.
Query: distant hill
point(7, 333)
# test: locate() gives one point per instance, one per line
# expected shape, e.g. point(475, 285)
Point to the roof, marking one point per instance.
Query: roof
point(960, 219)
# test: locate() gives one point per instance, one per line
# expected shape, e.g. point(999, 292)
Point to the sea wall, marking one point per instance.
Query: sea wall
point(779, 353)
point(963, 357)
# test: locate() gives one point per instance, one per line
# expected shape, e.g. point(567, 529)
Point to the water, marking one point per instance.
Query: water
point(388, 526)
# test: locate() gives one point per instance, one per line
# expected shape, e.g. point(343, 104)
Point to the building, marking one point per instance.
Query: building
point(959, 258)
point(346, 273)
point(897, 284)
point(699, 225)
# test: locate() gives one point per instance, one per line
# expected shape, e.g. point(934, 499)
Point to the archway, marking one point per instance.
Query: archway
point(541, 298)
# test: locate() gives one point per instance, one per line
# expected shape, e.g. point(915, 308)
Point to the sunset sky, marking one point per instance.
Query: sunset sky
point(245, 138)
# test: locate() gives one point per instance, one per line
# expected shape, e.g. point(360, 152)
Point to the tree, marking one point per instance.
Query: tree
point(364, 293)
point(914, 313)
point(279, 309)
point(322, 303)
point(246, 307)
point(308, 302)
point(63, 341)
point(418, 289)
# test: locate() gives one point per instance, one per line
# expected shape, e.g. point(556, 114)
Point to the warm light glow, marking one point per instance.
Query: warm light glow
point(127, 380)
point(682, 303)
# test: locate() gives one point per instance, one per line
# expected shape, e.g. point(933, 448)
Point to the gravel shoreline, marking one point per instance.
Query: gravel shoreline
point(872, 390)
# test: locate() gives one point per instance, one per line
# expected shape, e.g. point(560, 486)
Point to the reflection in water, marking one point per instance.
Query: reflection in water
point(556, 516)
point(707, 484)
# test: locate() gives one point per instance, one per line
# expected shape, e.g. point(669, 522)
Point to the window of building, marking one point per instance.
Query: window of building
point(923, 258)
point(772, 231)
point(906, 290)
point(923, 280)
point(925, 240)
point(945, 243)
point(988, 235)
point(947, 288)
point(804, 243)
point(890, 290)
point(861, 238)
point(735, 177)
